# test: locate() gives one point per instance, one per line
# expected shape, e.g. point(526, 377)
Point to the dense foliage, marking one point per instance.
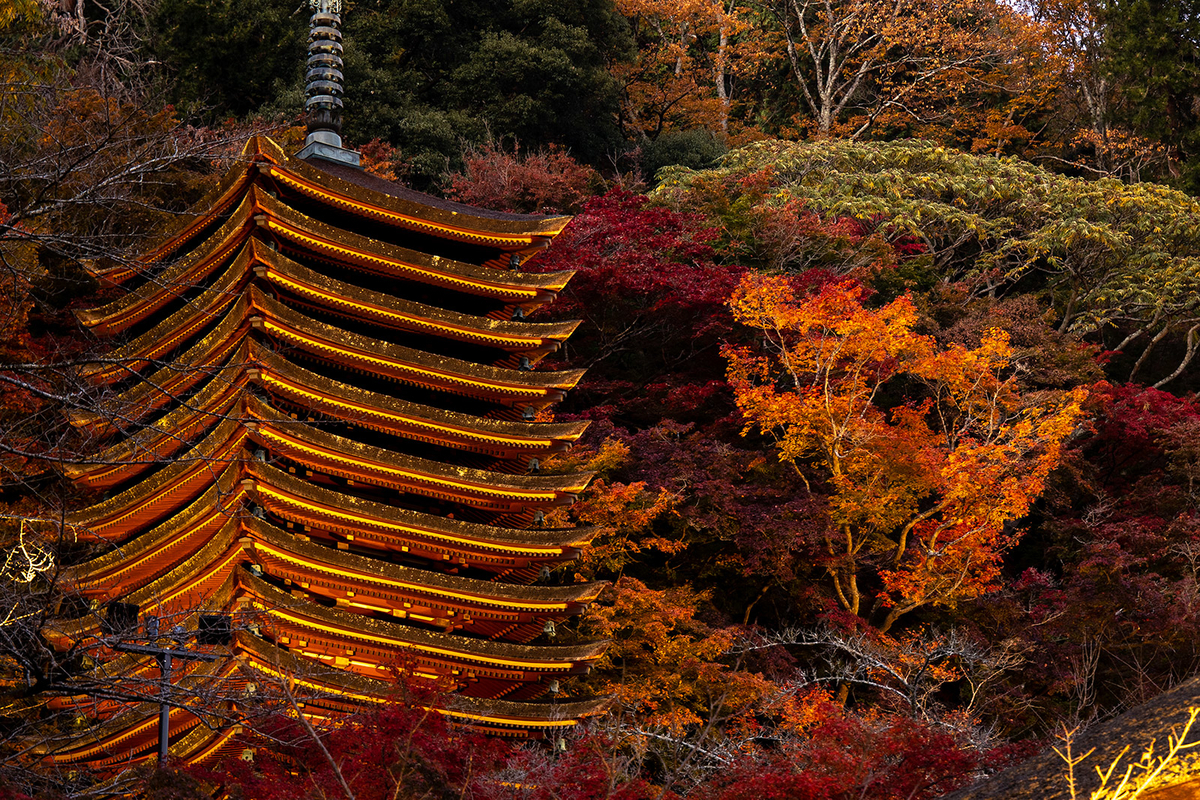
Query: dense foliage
point(892, 407)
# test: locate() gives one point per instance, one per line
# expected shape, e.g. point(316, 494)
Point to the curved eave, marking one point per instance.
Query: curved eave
point(460, 226)
point(203, 744)
point(166, 490)
point(181, 482)
point(391, 312)
point(204, 580)
point(347, 458)
point(193, 270)
point(362, 574)
point(182, 374)
point(431, 216)
point(214, 204)
point(121, 739)
point(336, 625)
point(297, 500)
point(215, 402)
point(158, 550)
point(378, 257)
point(358, 582)
point(280, 665)
point(326, 453)
point(406, 364)
point(510, 716)
point(410, 420)
point(165, 337)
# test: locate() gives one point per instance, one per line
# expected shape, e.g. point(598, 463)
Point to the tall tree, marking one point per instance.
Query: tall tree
point(690, 55)
point(863, 57)
point(1154, 56)
point(208, 49)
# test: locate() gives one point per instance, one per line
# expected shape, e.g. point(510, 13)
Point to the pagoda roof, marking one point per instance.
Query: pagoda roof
point(335, 345)
point(119, 739)
point(391, 312)
point(215, 402)
point(371, 255)
point(165, 385)
point(406, 364)
point(338, 685)
point(340, 347)
point(255, 259)
point(360, 192)
point(403, 418)
point(381, 640)
point(356, 581)
point(257, 210)
point(179, 327)
point(177, 483)
point(189, 272)
point(388, 527)
point(298, 500)
point(347, 458)
point(229, 192)
point(353, 191)
point(479, 607)
point(163, 492)
point(155, 552)
point(212, 573)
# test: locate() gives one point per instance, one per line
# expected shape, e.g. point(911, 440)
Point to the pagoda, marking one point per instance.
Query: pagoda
point(320, 461)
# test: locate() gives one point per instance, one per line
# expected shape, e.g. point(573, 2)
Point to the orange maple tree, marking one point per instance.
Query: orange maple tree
point(690, 52)
point(925, 494)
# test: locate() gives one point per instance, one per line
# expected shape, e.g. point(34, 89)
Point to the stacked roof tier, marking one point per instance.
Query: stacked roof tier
point(321, 417)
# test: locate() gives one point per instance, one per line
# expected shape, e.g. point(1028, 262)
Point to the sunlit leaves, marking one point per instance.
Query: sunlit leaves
point(924, 492)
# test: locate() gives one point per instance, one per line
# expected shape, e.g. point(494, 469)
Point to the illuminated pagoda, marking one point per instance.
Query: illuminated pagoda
point(325, 434)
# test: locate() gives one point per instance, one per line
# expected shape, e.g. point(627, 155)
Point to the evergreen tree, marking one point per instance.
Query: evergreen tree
point(425, 75)
point(1154, 56)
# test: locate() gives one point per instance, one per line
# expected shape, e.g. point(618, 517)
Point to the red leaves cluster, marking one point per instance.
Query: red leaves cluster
point(651, 293)
point(407, 750)
point(544, 182)
point(844, 756)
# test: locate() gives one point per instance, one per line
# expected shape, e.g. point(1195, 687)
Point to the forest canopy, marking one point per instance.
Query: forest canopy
point(889, 315)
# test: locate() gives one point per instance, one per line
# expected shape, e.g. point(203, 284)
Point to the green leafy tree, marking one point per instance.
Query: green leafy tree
point(424, 76)
point(428, 75)
point(1117, 262)
point(209, 48)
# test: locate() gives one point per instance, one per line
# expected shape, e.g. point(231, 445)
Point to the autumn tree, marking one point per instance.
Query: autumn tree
point(869, 57)
point(689, 58)
point(541, 182)
point(926, 494)
point(1104, 595)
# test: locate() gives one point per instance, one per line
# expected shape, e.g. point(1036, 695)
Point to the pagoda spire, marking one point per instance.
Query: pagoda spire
point(323, 85)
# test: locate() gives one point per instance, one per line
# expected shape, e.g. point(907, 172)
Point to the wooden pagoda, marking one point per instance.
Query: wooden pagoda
point(323, 422)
